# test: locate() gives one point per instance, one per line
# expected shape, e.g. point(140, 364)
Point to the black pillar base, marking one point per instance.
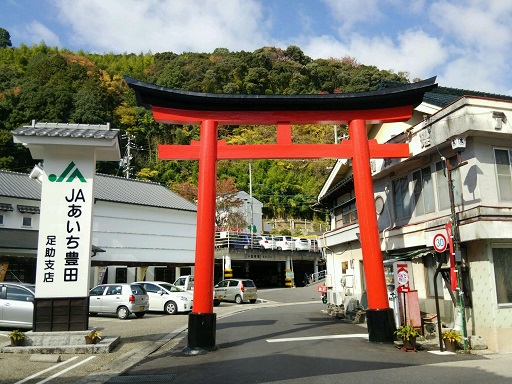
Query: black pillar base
point(381, 325)
point(201, 333)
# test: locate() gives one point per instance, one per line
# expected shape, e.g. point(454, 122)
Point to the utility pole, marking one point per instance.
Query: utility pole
point(458, 145)
point(252, 209)
point(125, 162)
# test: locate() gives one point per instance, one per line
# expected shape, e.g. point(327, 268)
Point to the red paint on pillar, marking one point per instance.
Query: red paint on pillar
point(205, 231)
point(367, 218)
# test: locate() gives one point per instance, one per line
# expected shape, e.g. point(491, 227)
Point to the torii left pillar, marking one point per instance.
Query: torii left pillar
point(202, 321)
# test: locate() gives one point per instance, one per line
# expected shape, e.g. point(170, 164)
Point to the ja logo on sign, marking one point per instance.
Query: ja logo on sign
point(75, 174)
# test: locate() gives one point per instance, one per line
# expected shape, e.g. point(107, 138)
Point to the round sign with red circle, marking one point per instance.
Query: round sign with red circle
point(440, 242)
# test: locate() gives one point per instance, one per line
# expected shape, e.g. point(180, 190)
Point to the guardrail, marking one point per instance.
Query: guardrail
point(317, 276)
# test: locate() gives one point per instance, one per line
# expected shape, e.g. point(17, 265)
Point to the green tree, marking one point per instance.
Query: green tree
point(5, 38)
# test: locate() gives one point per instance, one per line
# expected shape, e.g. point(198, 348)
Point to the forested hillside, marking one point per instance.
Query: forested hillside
point(50, 85)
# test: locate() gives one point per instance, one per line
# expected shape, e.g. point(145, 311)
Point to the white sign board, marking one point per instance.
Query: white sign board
point(64, 245)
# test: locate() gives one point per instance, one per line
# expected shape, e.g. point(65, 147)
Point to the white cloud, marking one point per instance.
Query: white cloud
point(480, 38)
point(414, 51)
point(351, 12)
point(166, 25)
point(36, 33)
point(480, 24)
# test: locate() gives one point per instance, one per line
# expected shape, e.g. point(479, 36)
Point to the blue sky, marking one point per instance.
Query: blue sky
point(465, 43)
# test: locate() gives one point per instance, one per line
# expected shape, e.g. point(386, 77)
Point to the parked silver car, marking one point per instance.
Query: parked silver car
point(17, 305)
point(121, 299)
point(166, 297)
point(237, 290)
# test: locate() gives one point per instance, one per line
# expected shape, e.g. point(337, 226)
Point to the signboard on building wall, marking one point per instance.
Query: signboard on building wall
point(64, 245)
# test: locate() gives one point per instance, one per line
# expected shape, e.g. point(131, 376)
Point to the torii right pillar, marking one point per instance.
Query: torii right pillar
point(379, 317)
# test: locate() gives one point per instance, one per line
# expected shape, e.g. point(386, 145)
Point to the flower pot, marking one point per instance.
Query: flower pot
point(16, 342)
point(449, 345)
point(88, 340)
point(409, 343)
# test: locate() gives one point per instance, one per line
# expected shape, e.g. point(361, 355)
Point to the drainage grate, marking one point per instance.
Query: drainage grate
point(146, 379)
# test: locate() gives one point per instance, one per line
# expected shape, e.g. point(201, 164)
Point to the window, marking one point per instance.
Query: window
point(443, 195)
point(502, 258)
point(502, 159)
point(151, 288)
point(18, 294)
point(431, 265)
point(349, 213)
point(121, 275)
point(1, 219)
point(346, 213)
point(401, 198)
point(114, 290)
point(423, 190)
point(27, 221)
point(98, 291)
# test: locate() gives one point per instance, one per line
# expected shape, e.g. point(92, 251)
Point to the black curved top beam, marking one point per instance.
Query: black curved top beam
point(157, 96)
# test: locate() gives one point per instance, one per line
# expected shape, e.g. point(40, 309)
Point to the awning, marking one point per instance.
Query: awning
point(6, 207)
point(408, 255)
point(28, 209)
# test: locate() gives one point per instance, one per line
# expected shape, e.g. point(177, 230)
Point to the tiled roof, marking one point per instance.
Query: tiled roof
point(442, 96)
point(14, 184)
point(122, 190)
point(68, 130)
point(106, 188)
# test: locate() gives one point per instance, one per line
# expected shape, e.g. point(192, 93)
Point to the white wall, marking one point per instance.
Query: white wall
point(143, 234)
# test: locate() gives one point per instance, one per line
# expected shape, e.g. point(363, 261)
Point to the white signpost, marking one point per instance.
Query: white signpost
point(70, 152)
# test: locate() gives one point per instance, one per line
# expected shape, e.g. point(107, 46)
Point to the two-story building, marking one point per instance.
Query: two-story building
point(413, 207)
point(141, 230)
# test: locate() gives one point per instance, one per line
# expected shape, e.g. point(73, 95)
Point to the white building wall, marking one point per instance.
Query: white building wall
point(14, 219)
point(143, 234)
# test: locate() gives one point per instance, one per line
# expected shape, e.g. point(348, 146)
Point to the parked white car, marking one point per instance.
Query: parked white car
point(166, 297)
point(268, 242)
point(284, 243)
point(301, 244)
point(187, 283)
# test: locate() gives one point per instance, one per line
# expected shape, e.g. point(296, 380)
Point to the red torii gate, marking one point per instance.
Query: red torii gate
point(172, 106)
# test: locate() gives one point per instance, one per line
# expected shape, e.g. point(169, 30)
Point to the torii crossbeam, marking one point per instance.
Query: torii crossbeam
point(356, 109)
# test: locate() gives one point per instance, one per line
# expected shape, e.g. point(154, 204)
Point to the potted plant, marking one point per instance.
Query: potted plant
point(16, 337)
point(93, 337)
point(408, 334)
point(451, 338)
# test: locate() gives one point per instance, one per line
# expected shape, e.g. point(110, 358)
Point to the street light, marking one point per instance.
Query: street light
point(458, 145)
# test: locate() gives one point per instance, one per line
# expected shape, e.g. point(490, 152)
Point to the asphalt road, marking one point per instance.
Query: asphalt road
point(282, 340)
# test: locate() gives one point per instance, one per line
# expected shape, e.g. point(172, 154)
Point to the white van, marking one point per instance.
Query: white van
point(187, 284)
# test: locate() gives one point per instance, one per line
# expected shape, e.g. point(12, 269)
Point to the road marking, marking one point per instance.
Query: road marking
point(46, 370)
point(65, 370)
point(355, 335)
